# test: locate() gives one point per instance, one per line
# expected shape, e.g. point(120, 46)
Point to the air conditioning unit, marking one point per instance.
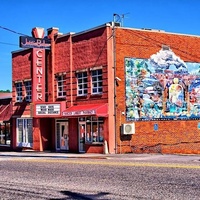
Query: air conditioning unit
point(128, 129)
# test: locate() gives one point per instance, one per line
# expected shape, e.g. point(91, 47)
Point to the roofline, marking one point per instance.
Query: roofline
point(117, 25)
point(19, 50)
point(7, 95)
point(113, 25)
point(108, 24)
point(60, 35)
point(1, 98)
point(159, 31)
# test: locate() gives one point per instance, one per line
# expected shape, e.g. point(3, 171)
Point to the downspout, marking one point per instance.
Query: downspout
point(71, 69)
point(52, 65)
point(114, 81)
point(52, 34)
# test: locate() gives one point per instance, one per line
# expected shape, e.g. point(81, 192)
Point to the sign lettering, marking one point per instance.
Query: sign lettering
point(79, 113)
point(48, 109)
point(38, 85)
point(30, 42)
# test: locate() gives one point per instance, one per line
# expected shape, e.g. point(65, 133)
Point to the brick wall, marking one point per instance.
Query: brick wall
point(21, 65)
point(88, 50)
point(171, 136)
point(21, 70)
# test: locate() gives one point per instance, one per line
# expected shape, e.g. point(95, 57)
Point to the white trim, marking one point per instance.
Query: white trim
point(21, 116)
point(81, 70)
point(20, 81)
point(95, 68)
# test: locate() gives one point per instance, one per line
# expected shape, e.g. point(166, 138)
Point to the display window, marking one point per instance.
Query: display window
point(25, 132)
point(94, 129)
point(5, 134)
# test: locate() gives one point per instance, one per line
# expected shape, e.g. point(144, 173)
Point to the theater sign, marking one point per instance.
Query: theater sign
point(30, 42)
point(37, 41)
point(48, 109)
point(39, 45)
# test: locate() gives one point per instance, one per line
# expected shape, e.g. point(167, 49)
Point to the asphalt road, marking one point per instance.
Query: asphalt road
point(119, 177)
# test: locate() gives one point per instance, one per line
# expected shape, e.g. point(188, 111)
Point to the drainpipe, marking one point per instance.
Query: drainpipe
point(114, 68)
point(71, 70)
point(51, 35)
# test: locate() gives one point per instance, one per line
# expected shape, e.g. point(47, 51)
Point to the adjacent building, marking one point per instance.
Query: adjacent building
point(108, 89)
point(5, 120)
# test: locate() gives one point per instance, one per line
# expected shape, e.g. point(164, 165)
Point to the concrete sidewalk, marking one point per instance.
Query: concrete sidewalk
point(48, 154)
point(130, 156)
point(51, 154)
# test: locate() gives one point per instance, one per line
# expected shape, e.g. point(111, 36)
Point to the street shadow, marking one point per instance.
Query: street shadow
point(80, 196)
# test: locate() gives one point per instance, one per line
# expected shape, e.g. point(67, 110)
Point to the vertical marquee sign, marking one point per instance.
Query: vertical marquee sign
point(38, 78)
point(38, 43)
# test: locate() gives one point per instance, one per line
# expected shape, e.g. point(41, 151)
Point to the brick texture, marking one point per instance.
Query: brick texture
point(171, 136)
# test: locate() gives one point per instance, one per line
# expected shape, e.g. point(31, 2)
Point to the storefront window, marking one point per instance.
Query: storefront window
point(58, 135)
point(5, 134)
point(24, 132)
point(94, 129)
point(88, 132)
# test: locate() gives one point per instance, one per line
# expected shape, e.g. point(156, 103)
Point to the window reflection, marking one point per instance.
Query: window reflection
point(94, 129)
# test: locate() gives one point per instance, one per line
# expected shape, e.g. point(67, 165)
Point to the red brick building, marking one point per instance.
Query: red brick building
point(167, 130)
point(5, 120)
point(109, 88)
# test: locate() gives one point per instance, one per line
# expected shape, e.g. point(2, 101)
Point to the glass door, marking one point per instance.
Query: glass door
point(64, 145)
point(62, 136)
point(82, 131)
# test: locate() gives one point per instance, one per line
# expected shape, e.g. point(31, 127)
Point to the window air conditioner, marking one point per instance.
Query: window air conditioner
point(128, 129)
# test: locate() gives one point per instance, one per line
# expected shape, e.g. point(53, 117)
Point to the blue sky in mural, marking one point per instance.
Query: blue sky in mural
point(20, 16)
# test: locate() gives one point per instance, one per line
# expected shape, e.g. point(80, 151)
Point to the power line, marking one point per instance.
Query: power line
point(9, 44)
point(7, 29)
point(101, 51)
point(155, 42)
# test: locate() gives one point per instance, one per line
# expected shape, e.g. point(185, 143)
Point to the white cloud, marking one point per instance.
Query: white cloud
point(165, 58)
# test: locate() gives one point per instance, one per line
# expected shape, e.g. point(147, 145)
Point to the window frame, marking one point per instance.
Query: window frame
point(28, 90)
point(82, 83)
point(96, 81)
point(61, 85)
point(94, 129)
point(19, 92)
point(25, 138)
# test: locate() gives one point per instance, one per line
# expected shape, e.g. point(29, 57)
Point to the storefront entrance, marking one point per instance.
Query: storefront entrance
point(62, 136)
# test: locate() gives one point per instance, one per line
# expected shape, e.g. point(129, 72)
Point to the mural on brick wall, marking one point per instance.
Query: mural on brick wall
point(163, 87)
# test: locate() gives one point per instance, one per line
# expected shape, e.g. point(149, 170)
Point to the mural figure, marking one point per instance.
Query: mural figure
point(162, 87)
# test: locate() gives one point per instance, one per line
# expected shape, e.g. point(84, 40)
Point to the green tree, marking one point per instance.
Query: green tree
point(5, 91)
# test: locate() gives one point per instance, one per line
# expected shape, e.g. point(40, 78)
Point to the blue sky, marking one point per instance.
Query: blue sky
point(20, 16)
